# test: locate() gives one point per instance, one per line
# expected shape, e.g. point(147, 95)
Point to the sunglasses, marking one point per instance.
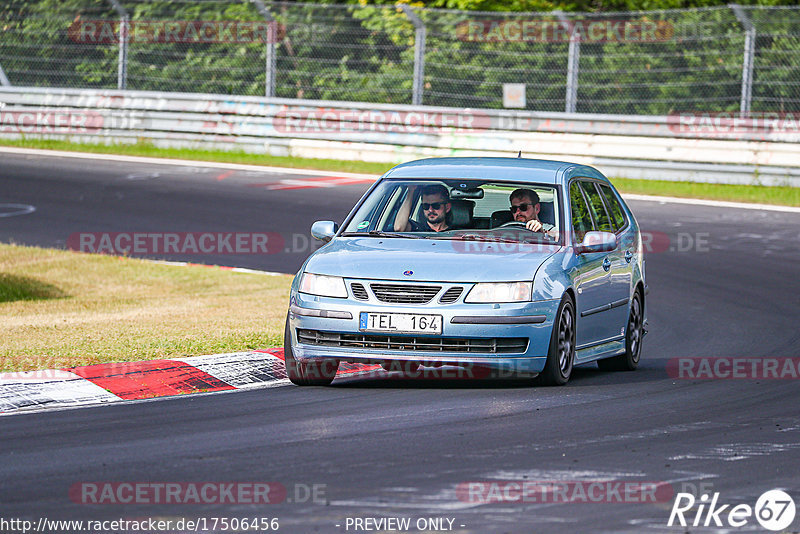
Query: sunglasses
point(523, 207)
point(433, 205)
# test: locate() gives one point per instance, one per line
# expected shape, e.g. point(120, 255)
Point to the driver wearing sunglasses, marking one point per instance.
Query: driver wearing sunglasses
point(435, 207)
point(525, 208)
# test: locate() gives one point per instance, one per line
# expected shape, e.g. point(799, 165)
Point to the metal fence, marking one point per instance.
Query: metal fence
point(736, 59)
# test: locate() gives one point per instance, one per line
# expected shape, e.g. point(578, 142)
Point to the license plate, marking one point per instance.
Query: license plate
point(406, 323)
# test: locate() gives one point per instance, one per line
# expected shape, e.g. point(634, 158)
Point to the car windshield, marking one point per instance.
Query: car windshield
point(466, 209)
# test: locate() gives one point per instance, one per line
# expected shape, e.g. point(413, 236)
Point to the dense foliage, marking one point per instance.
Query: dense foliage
point(591, 5)
point(363, 51)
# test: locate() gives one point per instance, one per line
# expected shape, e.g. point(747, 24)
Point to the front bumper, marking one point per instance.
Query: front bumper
point(466, 339)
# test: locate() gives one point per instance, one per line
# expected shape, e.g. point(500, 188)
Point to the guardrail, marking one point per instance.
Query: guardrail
point(707, 148)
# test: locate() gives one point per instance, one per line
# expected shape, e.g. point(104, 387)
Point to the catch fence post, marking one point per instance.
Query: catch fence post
point(573, 62)
point(272, 37)
point(3, 78)
point(749, 57)
point(420, 37)
point(122, 62)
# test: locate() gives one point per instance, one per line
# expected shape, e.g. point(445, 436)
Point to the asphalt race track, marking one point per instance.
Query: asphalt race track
point(74, 195)
point(723, 283)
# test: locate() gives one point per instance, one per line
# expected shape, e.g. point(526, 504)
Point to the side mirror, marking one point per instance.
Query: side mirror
point(324, 230)
point(597, 242)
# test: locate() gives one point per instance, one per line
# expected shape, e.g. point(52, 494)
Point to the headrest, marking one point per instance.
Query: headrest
point(500, 217)
point(546, 213)
point(461, 213)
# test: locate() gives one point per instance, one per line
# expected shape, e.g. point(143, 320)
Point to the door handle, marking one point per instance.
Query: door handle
point(606, 264)
point(628, 255)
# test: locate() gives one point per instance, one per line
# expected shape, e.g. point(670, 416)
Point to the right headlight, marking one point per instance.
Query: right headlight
point(323, 285)
point(500, 292)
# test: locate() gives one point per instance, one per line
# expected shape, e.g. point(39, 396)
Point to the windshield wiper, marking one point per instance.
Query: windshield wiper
point(476, 237)
point(378, 233)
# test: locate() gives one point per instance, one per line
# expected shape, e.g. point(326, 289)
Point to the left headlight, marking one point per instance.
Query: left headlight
point(322, 285)
point(500, 292)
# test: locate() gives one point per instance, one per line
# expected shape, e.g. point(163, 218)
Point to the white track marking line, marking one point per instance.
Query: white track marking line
point(225, 267)
point(20, 209)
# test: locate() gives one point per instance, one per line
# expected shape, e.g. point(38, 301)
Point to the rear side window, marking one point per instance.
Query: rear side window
point(613, 204)
point(581, 220)
point(597, 207)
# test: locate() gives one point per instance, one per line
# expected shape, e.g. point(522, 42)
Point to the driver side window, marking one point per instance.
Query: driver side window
point(596, 206)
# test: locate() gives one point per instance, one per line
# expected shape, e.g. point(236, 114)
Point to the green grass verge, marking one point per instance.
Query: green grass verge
point(63, 308)
point(780, 195)
point(752, 194)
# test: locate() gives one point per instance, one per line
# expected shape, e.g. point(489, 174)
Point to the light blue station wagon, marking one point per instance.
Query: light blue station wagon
point(433, 267)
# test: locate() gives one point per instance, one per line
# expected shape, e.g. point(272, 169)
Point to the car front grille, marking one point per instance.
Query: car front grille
point(451, 295)
point(500, 345)
point(404, 293)
point(359, 291)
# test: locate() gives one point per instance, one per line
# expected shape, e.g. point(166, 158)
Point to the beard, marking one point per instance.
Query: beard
point(435, 217)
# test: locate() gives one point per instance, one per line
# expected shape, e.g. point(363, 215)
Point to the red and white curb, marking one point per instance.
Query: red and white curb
point(113, 382)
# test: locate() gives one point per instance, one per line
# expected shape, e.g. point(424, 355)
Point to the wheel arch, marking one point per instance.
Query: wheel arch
point(571, 292)
point(640, 288)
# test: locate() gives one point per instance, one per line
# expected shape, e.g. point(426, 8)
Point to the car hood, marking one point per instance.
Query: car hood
point(430, 260)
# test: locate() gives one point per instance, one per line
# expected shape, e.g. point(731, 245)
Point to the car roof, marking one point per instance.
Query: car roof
point(521, 170)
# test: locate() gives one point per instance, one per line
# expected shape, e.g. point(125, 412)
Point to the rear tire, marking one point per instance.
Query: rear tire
point(634, 332)
point(316, 373)
point(561, 353)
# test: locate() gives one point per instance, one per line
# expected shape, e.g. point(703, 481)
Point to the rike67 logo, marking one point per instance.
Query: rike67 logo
point(774, 510)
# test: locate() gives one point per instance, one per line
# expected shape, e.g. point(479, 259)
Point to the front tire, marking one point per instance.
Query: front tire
point(316, 373)
point(561, 354)
point(634, 332)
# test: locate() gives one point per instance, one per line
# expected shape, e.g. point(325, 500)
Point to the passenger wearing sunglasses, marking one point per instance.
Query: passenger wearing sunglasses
point(525, 208)
point(435, 207)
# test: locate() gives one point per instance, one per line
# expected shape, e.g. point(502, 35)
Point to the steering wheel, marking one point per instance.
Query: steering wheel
point(513, 223)
point(518, 224)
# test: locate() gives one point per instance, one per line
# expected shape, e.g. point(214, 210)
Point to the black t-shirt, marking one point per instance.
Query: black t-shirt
point(421, 227)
